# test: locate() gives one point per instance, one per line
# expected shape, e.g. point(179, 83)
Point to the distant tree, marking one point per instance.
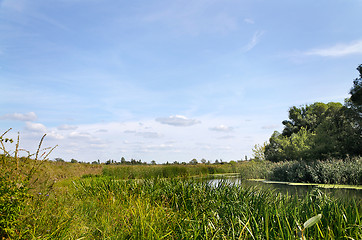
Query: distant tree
point(203, 161)
point(176, 163)
point(73, 160)
point(153, 162)
point(108, 162)
point(59, 160)
point(193, 161)
point(95, 162)
point(216, 161)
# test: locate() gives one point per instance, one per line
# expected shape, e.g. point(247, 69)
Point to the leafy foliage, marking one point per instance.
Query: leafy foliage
point(356, 91)
point(320, 131)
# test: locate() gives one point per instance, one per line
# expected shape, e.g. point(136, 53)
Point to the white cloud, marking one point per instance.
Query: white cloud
point(55, 135)
point(222, 128)
point(129, 131)
point(67, 127)
point(80, 135)
point(254, 40)
point(35, 127)
point(178, 120)
point(31, 116)
point(159, 147)
point(102, 131)
point(149, 134)
point(39, 128)
point(227, 137)
point(338, 50)
point(249, 20)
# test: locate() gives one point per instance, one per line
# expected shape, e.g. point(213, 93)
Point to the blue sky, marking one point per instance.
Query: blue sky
point(169, 80)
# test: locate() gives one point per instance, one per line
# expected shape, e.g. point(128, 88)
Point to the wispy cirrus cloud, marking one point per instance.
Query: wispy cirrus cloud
point(178, 120)
point(254, 40)
point(249, 20)
point(31, 116)
point(338, 50)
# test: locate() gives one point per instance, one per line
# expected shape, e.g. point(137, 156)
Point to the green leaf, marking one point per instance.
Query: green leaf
point(311, 221)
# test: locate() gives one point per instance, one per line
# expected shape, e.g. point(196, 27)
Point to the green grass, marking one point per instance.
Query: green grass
point(104, 208)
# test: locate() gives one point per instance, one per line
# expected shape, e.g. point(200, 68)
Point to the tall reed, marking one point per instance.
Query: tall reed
point(104, 208)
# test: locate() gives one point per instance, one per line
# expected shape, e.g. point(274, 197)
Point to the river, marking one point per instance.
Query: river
point(285, 188)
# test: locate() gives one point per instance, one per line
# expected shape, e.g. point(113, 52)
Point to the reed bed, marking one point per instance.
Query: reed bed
point(167, 171)
point(106, 208)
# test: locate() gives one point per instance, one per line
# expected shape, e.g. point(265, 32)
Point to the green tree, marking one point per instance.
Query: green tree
point(193, 161)
point(59, 160)
point(273, 150)
point(298, 146)
point(356, 91)
point(259, 151)
point(308, 116)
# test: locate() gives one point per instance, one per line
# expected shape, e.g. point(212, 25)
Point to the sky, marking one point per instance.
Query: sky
point(169, 80)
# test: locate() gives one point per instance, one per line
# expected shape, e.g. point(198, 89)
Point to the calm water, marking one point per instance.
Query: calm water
point(300, 191)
